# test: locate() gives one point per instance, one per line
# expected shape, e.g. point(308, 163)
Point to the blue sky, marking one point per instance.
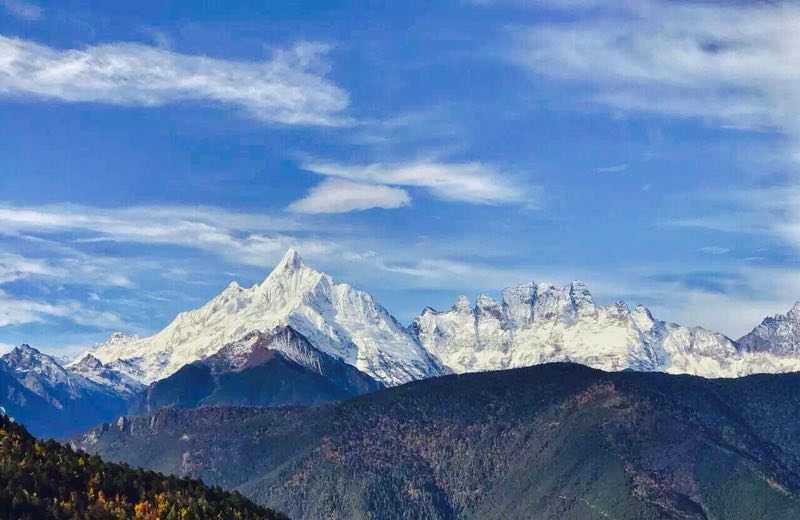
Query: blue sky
point(149, 154)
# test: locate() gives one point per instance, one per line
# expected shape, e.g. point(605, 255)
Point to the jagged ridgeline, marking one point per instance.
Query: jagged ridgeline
point(42, 480)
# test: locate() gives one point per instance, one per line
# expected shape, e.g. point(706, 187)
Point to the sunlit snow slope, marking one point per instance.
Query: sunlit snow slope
point(337, 319)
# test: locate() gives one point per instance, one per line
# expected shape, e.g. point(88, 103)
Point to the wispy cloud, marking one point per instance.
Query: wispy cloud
point(766, 212)
point(731, 63)
point(21, 9)
point(16, 267)
point(471, 182)
point(340, 196)
point(714, 250)
point(18, 311)
point(252, 239)
point(240, 238)
point(617, 168)
point(290, 87)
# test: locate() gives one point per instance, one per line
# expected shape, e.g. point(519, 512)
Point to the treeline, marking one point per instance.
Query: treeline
point(46, 480)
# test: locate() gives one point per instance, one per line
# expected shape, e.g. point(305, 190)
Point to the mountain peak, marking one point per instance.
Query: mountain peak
point(290, 261)
point(87, 362)
point(24, 356)
point(794, 312)
point(290, 265)
point(462, 305)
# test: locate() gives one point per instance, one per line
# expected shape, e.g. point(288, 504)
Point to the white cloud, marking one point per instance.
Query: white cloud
point(754, 294)
point(241, 238)
point(250, 239)
point(340, 196)
point(289, 88)
point(24, 10)
point(470, 182)
point(18, 311)
point(765, 212)
point(246, 239)
point(733, 64)
point(15, 267)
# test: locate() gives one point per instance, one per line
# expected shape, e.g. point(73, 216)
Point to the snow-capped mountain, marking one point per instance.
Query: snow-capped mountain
point(337, 319)
point(51, 399)
point(778, 335)
point(113, 376)
point(44, 376)
point(540, 323)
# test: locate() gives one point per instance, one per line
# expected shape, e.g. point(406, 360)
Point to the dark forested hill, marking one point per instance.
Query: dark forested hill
point(45, 480)
point(550, 441)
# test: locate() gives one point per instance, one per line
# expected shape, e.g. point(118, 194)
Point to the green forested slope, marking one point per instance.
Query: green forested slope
point(45, 480)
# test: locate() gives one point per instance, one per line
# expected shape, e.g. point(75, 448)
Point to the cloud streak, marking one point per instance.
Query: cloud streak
point(341, 196)
point(289, 88)
point(732, 64)
point(19, 311)
point(249, 239)
point(381, 185)
point(23, 10)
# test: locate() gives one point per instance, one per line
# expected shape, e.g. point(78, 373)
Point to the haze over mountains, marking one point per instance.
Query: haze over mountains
point(300, 329)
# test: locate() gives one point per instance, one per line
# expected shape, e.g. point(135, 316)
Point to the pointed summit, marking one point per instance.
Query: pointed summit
point(291, 260)
point(794, 312)
point(87, 362)
point(288, 267)
point(337, 319)
point(462, 305)
point(24, 356)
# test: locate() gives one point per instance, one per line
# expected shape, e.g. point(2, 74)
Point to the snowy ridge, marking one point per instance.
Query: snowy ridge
point(114, 376)
point(778, 334)
point(337, 319)
point(531, 324)
point(541, 323)
point(45, 377)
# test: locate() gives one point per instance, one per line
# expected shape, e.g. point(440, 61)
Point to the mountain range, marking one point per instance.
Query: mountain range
point(55, 401)
point(299, 337)
point(541, 323)
point(553, 441)
point(532, 324)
